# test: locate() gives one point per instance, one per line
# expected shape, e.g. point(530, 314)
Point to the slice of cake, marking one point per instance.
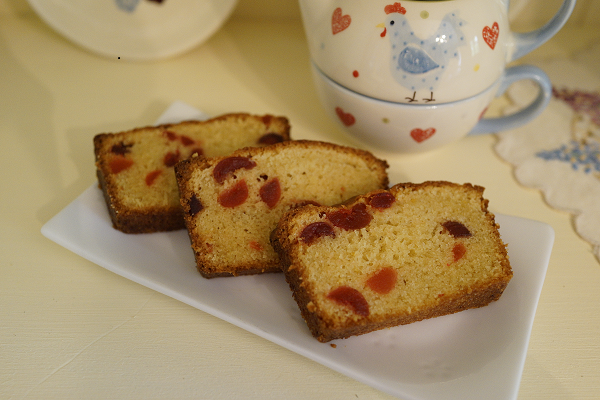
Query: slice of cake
point(135, 168)
point(392, 257)
point(231, 204)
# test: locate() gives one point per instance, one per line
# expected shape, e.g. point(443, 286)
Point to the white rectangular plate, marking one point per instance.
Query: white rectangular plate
point(461, 356)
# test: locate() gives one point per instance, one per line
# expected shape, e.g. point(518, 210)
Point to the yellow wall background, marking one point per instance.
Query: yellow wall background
point(525, 14)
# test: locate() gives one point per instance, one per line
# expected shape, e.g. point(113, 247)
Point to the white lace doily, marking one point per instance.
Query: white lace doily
point(559, 152)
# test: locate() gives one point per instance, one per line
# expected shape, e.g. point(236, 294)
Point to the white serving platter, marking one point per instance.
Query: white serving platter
point(462, 356)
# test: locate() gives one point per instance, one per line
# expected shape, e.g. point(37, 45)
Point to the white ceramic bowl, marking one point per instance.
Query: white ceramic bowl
point(135, 29)
point(411, 128)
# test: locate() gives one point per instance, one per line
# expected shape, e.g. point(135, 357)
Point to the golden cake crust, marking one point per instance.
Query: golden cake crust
point(312, 280)
point(234, 240)
point(135, 167)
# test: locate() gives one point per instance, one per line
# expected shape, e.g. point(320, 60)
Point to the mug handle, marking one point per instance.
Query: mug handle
point(529, 41)
point(511, 75)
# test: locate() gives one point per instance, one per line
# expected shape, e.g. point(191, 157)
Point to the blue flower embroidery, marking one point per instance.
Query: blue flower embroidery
point(584, 156)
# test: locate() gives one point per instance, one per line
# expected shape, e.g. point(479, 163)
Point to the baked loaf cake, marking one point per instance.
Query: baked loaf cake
point(231, 204)
point(135, 168)
point(392, 257)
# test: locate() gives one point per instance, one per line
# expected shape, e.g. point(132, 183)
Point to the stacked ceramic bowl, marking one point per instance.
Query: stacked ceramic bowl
point(414, 75)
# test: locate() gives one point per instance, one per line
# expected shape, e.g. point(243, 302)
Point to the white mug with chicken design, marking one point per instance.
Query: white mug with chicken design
point(414, 75)
point(417, 51)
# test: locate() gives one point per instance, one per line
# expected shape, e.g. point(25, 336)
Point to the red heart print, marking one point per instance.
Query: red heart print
point(483, 112)
point(346, 118)
point(420, 135)
point(490, 35)
point(339, 22)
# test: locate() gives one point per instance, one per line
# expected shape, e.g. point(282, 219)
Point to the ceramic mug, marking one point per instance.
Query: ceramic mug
point(416, 51)
point(411, 128)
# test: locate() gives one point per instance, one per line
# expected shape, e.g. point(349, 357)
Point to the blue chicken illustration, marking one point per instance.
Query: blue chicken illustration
point(418, 63)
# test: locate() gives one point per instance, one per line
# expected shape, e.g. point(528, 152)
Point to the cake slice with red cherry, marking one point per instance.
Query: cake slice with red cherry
point(135, 167)
point(392, 257)
point(231, 204)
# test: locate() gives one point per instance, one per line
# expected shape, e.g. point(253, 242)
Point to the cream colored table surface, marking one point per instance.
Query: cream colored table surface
point(70, 329)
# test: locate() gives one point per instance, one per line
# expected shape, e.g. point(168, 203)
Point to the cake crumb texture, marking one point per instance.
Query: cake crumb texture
point(231, 204)
point(135, 168)
point(392, 257)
